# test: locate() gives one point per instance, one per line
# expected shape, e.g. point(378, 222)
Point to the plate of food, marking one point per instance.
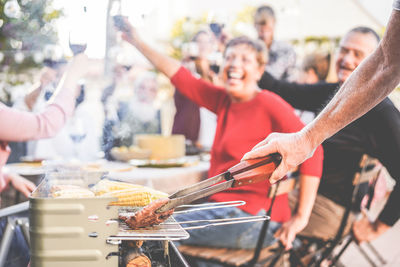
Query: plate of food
point(26, 168)
point(31, 159)
point(165, 163)
point(107, 166)
point(95, 166)
point(125, 154)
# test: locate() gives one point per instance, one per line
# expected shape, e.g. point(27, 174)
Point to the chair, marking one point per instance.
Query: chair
point(12, 222)
point(368, 173)
point(241, 257)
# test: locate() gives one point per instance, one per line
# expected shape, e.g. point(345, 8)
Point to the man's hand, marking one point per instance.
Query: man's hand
point(21, 184)
point(287, 233)
point(365, 231)
point(293, 147)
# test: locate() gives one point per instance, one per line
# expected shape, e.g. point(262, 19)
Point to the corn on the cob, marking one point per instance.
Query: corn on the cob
point(73, 193)
point(106, 186)
point(59, 187)
point(135, 197)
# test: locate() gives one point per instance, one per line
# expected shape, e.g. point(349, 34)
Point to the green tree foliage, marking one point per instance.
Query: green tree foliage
point(26, 28)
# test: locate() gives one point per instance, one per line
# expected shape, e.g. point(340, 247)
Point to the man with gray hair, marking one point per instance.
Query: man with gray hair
point(377, 134)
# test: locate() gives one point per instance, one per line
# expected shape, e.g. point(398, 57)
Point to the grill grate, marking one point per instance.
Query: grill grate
point(169, 230)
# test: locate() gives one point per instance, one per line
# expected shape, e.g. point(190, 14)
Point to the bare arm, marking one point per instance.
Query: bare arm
point(30, 99)
point(163, 63)
point(375, 78)
point(47, 76)
point(307, 193)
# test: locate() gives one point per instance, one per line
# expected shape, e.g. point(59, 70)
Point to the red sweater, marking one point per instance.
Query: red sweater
point(240, 126)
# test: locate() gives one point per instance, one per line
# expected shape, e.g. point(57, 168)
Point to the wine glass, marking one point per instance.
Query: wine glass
point(77, 41)
point(78, 33)
point(77, 133)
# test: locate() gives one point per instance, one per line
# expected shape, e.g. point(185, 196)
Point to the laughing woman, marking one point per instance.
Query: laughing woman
point(245, 116)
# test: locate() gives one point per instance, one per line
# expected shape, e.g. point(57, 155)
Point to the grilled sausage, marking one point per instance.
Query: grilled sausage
point(147, 216)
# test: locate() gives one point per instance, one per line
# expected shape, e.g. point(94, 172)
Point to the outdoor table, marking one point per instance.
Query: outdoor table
point(167, 180)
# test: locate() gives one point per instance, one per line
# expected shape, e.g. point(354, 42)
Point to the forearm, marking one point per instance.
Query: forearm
point(307, 193)
point(21, 126)
point(163, 63)
point(30, 99)
point(374, 79)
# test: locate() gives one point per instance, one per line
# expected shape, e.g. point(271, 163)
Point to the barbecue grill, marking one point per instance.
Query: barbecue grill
point(86, 231)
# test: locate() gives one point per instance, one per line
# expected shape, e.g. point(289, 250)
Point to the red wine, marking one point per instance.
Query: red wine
point(77, 48)
point(120, 24)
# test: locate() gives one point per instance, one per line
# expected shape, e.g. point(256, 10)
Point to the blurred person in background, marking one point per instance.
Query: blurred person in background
point(245, 115)
point(18, 125)
point(77, 139)
point(118, 74)
point(137, 115)
point(314, 69)
point(42, 90)
point(221, 35)
point(196, 123)
point(281, 56)
point(110, 106)
point(377, 134)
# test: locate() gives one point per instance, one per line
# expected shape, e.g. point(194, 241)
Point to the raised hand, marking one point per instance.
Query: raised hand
point(128, 32)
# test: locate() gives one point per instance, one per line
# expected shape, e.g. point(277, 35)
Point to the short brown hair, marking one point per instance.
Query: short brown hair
point(258, 47)
point(319, 62)
point(264, 12)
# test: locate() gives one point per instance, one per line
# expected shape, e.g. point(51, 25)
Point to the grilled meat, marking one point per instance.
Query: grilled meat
point(148, 216)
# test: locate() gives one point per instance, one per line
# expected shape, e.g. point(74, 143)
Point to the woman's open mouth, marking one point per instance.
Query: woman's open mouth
point(237, 75)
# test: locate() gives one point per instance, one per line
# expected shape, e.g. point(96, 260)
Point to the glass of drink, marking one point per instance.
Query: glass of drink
point(77, 133)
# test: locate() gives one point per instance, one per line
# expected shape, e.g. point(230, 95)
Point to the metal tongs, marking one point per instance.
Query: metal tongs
point(244, 173)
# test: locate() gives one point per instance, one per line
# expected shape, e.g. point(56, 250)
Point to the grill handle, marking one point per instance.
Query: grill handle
point(254, 170)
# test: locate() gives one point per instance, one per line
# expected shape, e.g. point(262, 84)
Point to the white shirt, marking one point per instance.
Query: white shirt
point(61, 146)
